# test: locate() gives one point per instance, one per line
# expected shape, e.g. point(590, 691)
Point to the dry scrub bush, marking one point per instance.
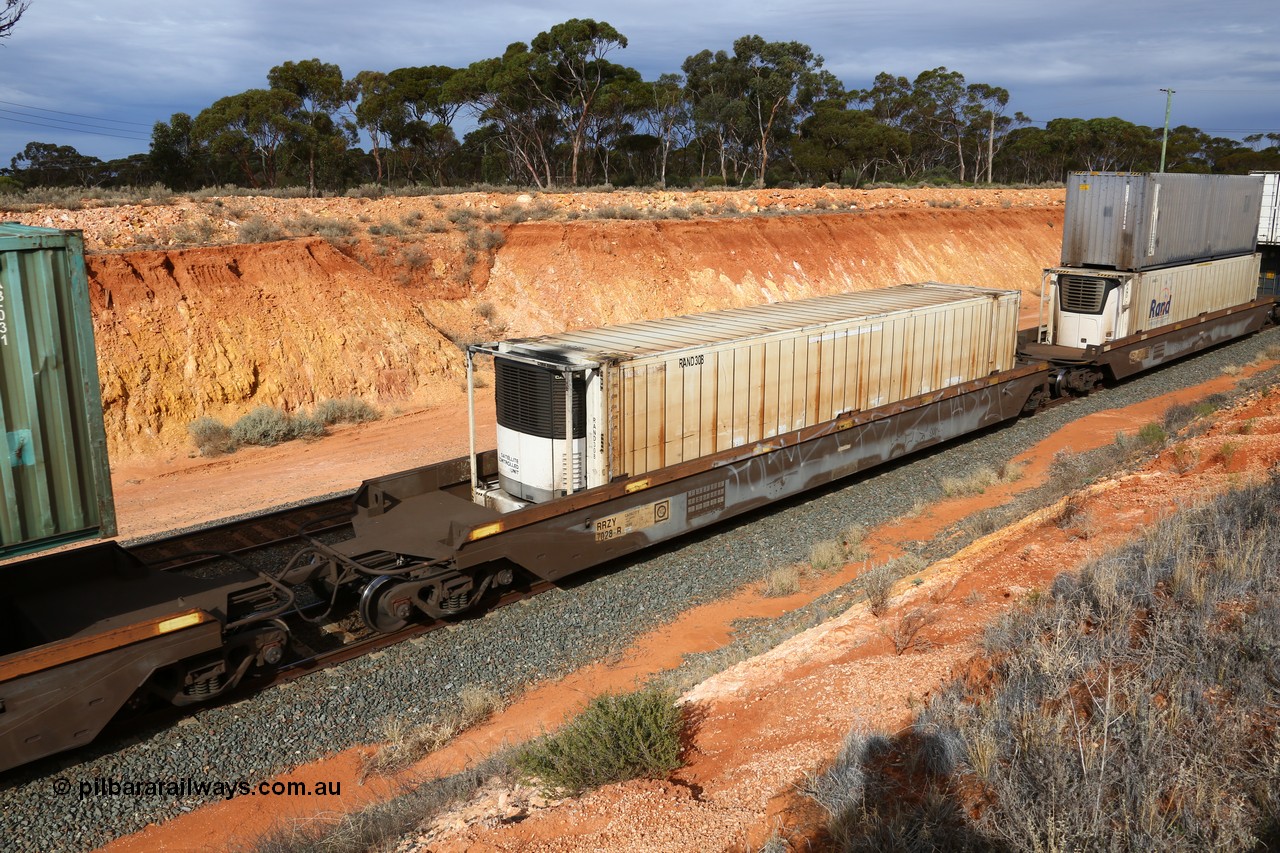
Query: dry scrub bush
point(894, 794)
point(973, 483)
point(852, 540)
point(211, 436)
point(386, 229)
point(259, 230)
point(904, 632)
point(1133, 707)
point(414, 257)
point(268, 427)
point(617, 737)
point(406, 743)
point(310, 225)
point(196, 232)
point(485, 239)
point(345, 410)
point(826, 555)
point(782, 581)
point(878, 581)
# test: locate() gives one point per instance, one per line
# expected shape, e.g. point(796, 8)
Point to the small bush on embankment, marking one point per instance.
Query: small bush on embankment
point(266, 426)
point(1135, 706)
point(617, 737)
point(348, 410)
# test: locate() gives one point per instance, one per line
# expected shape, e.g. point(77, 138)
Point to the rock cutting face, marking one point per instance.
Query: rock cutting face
point(215, 331)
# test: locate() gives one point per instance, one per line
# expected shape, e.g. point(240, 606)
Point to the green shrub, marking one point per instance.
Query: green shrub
point(212, 436)
point(347, 410)
point(306, 426)
point(1152, 434)
point(617, 737)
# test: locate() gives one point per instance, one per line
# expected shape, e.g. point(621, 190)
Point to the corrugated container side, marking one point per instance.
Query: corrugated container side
point(53, 472)
point(1269, 218)
point(681, 405)
point(1139, 221)
point(1167, 296)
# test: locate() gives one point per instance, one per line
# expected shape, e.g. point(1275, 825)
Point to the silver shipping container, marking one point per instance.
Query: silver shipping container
point(53, 469)
point(1138, 221)
point(1269, 218)
point(645, 396)
point(1095, 307)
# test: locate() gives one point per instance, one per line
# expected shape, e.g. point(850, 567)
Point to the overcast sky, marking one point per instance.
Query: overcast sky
point(117, 67)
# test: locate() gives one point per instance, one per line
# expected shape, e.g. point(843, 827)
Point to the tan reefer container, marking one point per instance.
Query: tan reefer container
point(667, 391)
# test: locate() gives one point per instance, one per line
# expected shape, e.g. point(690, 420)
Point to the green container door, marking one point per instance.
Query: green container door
point(54, 474)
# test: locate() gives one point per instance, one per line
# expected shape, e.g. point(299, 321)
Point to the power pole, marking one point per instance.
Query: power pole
point(1164, 145)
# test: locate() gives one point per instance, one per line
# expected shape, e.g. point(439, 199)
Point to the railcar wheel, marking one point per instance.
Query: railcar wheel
point(386, 605)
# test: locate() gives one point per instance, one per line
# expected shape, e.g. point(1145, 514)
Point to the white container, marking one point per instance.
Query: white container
point(1269, 219)
point(668, 391)
point(1095, 307)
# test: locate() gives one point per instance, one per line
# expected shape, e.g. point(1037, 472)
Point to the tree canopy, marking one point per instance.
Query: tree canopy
point(559, 110)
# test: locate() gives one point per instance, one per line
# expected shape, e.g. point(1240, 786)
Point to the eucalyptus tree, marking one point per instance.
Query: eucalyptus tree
point(419, 108)
point(666, 111)
point(503, 95)
point(178, 159)
point(1104, 144)
point(835, 143)
point(781, 80)
point(319, 92)
point(569, 69)
point(988, 126)
point(612, 120)
point(715, 87)
point(370, 106)
point(44, 164)
point(892, 101)
point(249, 129)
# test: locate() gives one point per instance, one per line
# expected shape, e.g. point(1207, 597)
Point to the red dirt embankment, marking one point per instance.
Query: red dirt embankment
point(218, 330)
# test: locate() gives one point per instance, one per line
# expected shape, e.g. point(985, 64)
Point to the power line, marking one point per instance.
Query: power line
point(73, 129)
point(79, 127)
point(77, 115)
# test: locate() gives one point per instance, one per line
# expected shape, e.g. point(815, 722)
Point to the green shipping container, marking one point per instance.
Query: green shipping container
point(54, 475)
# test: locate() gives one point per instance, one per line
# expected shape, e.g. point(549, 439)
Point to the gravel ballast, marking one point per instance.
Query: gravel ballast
point(506, 650)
